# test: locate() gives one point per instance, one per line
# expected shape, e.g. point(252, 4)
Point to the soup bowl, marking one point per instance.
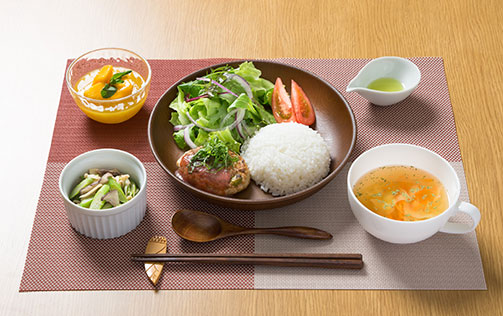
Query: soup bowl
point(404, 232)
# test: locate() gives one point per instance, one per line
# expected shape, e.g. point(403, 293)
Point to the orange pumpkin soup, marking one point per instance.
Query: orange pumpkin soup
point(402, 193)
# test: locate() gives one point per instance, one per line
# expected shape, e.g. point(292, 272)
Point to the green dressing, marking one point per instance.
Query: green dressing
point(386, 84)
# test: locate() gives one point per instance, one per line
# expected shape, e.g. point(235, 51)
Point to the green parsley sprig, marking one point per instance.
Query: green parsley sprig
point(214, 156)
point(109, 89)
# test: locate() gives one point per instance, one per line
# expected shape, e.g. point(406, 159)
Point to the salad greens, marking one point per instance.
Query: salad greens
point(228, 103)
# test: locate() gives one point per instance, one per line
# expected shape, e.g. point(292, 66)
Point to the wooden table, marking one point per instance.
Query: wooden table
point(38, 37)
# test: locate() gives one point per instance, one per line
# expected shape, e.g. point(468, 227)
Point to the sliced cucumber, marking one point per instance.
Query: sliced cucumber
point(114, 185)
point(107, 205)
point(86, 202)
point(84, 183)
point(97, 202)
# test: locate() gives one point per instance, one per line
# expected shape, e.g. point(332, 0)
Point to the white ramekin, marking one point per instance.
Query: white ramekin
point(113, 222)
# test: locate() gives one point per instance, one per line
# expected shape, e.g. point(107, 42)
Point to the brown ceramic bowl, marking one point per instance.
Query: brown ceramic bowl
point(334, 121)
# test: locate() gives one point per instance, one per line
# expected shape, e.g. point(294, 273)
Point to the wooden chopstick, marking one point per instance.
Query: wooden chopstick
point(328, 261)
point(256, 255)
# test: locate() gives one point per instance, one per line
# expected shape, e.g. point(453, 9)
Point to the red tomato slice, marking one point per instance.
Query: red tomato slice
point(302, 107)
point(281, 104)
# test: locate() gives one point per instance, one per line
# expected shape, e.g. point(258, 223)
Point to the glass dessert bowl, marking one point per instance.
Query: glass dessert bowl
point(102, 106)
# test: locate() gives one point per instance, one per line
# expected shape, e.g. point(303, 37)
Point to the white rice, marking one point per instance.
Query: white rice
point(286, 158)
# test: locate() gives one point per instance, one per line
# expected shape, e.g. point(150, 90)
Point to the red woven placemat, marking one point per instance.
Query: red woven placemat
point(59, 258)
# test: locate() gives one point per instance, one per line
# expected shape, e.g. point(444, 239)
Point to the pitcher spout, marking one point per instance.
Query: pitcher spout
point(353, 89)
point(354, 85)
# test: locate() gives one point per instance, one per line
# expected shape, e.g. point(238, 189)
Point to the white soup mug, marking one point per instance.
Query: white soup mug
point(403, 232)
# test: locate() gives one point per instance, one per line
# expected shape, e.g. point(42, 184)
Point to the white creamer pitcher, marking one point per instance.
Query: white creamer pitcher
point(397, 68)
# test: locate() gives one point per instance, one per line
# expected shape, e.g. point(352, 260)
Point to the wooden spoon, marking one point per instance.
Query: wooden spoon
point(202, 227)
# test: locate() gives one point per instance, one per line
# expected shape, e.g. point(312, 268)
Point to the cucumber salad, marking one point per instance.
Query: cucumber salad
point(103, 189)
point(230, 103)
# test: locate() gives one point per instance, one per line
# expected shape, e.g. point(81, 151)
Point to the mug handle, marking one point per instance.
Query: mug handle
point(461, 228)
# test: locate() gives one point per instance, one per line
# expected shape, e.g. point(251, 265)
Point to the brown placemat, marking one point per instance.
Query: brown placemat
point(61, 259)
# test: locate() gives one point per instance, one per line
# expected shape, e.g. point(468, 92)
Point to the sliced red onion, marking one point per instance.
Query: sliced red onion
point(177, 128)
point(231, 113)
point(240, 114)
point(241, 131)
point(196, 98)
point(200, 126)
point(243, 83)
point(202, 96)
point(246, 129)
point(218, 84)
point(186, 136)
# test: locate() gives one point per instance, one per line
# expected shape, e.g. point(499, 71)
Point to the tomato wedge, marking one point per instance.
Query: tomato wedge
point(281, 104)
point(302, 107)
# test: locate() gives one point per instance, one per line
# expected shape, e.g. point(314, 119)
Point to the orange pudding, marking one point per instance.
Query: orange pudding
point(120, 102)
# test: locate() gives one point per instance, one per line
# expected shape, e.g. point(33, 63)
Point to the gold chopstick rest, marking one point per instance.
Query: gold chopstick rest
point(156, 245)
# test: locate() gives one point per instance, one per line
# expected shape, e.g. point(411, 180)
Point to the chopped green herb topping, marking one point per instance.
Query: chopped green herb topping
point(214, 156)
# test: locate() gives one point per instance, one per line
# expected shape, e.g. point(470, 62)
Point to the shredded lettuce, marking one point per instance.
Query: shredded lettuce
point(226, 137)
point(208, 105)
point(260, 87)
point(178, 136)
